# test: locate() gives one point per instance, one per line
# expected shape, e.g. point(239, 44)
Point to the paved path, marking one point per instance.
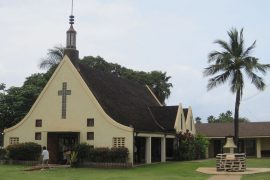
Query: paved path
point(225, 177)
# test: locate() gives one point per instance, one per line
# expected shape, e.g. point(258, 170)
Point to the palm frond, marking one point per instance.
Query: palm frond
point(224, 45)
point(249, 49)
point(54, 56)
point(220, 79)
point(252, 63)
point(255, 79)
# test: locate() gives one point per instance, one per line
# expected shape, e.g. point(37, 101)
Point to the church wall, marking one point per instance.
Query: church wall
point(190, 122)
point(81, 104)
point(180, 114)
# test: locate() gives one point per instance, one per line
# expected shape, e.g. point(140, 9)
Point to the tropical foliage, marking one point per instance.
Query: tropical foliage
point(190, 147)
point(230, 64)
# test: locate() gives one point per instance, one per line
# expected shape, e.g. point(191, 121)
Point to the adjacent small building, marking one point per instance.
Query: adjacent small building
point(254, 137)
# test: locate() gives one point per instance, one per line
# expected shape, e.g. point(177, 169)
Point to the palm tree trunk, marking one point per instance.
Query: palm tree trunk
point(236, 119)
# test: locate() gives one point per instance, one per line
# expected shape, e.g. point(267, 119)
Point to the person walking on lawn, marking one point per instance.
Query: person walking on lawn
point(45, 157)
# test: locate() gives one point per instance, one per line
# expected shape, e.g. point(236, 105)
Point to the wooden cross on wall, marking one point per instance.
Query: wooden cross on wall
point(64, 92)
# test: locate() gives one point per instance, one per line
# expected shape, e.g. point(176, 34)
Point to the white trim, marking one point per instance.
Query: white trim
point(149, 135)
point(153, 95)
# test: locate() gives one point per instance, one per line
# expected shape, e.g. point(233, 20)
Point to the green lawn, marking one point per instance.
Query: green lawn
point(170, 170)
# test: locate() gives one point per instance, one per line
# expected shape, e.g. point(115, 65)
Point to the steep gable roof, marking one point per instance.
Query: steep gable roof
point(165, 116)
point(125, 101)
point(247, 129)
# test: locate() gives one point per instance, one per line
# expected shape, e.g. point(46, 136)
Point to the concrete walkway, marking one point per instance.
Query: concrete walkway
point(211, 170)
point(225, 177)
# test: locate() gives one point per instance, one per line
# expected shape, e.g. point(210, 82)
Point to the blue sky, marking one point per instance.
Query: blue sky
point(173, 36)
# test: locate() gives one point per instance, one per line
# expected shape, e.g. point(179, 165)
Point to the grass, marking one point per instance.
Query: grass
point(170, 171)
point(258, 163)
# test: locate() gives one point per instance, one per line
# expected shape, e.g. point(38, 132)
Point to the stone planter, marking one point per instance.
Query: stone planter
point(231, 162)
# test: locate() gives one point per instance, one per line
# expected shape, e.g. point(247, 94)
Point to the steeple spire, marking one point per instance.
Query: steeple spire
point(70, 49)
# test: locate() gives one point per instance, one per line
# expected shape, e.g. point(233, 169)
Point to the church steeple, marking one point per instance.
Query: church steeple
point(70, 49)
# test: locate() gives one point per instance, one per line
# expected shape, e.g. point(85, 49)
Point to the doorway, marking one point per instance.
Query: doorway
point(139, 150)
point(58, 142)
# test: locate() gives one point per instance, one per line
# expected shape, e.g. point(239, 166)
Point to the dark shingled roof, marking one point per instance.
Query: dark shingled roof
point(165, 116)
point(185, 112)
point(247, 129)
point(125, 101)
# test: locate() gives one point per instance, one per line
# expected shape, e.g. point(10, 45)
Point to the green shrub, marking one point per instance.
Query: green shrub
point(24, 151)
point(190, 147)
point(119, 154)
point(3, 153)
point(83, 151)
point(200, 145)
point(101, 154)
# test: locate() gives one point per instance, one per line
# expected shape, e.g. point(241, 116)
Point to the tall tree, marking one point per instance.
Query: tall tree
point(225, 118)
point(229, 65)
point(198, 120)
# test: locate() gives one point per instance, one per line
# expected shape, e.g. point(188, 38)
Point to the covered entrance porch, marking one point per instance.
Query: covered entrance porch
point(149, 148)
point(58, 142)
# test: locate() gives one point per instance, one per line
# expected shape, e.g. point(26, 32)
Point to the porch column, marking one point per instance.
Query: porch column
point(148, 151)
point(258, 148)
point(207, 152)
point(163, 149)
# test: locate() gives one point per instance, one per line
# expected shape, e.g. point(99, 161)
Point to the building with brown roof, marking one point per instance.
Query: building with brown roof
point(254, 137)
point(82, 105)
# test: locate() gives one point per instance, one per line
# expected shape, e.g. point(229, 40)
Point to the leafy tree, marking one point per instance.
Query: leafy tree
point(229, 65)
point(225, 118)
point(198, 120)
point(211, 119)
point(17, 101)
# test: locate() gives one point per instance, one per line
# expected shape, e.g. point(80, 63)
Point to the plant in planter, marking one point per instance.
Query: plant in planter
point(73, 159)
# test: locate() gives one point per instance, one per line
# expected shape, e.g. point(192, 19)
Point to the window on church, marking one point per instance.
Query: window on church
point(90, 135)
point(38, 136)
point(118, 142)
point(90, 122)
point(38, 123)
point(14, 140)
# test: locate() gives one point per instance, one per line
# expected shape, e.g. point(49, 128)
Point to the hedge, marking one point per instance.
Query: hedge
point(101, 154)
point(28, 151)
point(3, 153)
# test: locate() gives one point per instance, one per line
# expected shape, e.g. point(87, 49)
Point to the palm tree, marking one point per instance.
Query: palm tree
point(229, 65)
point(53, 58)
